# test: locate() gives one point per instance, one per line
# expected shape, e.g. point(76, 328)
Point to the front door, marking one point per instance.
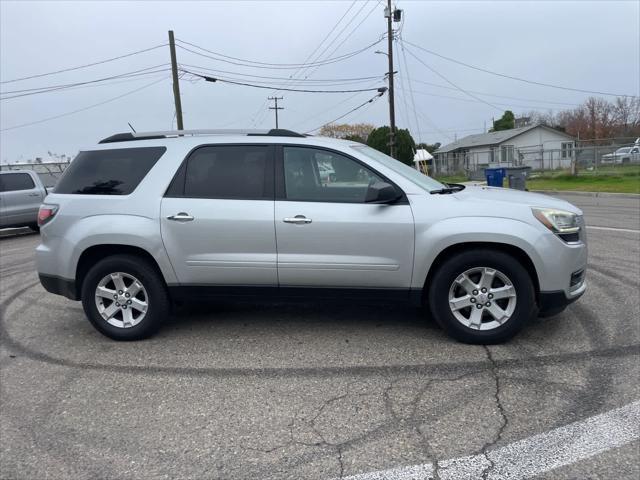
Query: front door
point(217, 217)
point(327, 235)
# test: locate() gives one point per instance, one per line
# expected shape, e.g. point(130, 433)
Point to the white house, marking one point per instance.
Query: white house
point(537, 146)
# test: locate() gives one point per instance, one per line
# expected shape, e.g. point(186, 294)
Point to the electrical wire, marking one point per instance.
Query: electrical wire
point(324, 40)
point(413, 100)
point(279, 80)
point(453, 84)
point(373, 77)
point(86, 65)
point(498, 96)
point(52, 88)
point(505, 105)
point(282, 66)
point(244, 84)
point(373, 99)
point(351, 33)
point(85, 108)
point(512, 77)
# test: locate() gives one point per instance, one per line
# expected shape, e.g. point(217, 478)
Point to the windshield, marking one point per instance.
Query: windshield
point(400, 168)
point(624, 150)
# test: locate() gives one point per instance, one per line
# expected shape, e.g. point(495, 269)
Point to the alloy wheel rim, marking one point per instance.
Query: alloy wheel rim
point(121, 299)
point(482, 298)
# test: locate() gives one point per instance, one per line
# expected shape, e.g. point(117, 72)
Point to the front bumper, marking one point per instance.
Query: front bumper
point(552, 303)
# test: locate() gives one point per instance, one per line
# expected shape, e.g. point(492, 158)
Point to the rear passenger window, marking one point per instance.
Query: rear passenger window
point(226, 172)
point(108, 172)
point(10, 182)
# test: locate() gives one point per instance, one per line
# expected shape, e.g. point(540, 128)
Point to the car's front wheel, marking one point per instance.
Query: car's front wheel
point(125, 298)
point(481, 296)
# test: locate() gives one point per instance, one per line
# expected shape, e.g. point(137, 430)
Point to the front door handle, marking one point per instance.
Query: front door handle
point(298, 220)
point(180, 217)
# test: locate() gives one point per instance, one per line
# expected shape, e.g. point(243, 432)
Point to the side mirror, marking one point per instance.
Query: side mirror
point(382, 192)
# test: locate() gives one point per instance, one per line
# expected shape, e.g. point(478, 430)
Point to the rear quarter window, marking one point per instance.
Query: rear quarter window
point(108, 172)
point(11, 182)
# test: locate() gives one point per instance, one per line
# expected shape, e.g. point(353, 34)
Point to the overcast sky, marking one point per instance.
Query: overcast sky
point(587, 45)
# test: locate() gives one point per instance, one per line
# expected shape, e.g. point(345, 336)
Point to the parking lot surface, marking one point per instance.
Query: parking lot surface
point(319, 391)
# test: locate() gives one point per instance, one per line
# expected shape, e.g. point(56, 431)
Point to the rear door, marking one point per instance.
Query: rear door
point(21, 198)
point(327, 235)
point(217, 217)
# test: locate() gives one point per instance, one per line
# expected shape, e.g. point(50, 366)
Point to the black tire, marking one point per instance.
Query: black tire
point(438, 295)
point(35, 227)
point(158, 298)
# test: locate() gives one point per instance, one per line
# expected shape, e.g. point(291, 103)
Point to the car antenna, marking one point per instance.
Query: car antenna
point(131, 127)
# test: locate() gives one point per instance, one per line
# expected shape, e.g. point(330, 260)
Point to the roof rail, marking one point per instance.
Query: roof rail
point(128, 136)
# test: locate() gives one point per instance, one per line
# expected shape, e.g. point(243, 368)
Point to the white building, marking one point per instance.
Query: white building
point(537, 146)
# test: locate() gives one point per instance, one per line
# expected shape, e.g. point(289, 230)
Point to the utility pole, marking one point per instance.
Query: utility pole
point(392, 107)
point(276, 108)
point(176, 85)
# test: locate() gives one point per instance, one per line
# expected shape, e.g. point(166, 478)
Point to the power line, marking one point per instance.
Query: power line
point(302, 80)
point(453, 84)
point(413, 100)
point(52, 88)
point(507, 105)
point(244, 84)
point(373, 99)
point(351, 33)
point(341, 102)
point(499, 96)
point(325, 39)
point(86, 65)
point(355, 15)
point(511, 77)
point(276, 66)
point(83, 109)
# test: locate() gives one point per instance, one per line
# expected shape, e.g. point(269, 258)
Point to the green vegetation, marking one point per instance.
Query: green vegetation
point(405, 145)
point(452, 178)
point(617, 179)
point(506, 122)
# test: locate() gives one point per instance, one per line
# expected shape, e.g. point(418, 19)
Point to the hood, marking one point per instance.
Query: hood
point(479, 194)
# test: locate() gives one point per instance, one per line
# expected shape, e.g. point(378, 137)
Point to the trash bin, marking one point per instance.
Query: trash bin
point(517, 177)
point(494, 176)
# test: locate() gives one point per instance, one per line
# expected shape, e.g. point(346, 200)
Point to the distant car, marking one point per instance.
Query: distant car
point(21, 194)
point(327, 174)
point(623, 155)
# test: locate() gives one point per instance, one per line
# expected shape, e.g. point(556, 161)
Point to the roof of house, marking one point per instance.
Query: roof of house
point(491, 138)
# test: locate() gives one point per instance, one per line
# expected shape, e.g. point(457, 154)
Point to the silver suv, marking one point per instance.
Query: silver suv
point(142, 221)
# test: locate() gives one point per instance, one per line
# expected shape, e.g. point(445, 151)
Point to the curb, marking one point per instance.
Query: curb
point(589, 194)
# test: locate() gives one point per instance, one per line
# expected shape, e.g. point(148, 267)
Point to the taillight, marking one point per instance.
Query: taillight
point(46, 213)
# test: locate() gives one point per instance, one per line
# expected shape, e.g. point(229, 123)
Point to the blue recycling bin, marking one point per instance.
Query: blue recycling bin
point(494, 176)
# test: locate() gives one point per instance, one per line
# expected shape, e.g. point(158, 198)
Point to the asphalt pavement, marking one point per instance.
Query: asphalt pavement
point(320, 391)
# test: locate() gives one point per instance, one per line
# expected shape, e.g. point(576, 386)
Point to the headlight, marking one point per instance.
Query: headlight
point(558, 221)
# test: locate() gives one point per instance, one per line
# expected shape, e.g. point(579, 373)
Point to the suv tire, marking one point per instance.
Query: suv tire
point(489, 271)
point(138, 314)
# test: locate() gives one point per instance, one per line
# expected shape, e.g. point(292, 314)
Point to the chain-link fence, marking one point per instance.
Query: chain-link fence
point(49, 173)
point(473, 162)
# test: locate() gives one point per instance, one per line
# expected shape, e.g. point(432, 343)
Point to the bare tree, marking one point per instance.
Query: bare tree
point(344, 130)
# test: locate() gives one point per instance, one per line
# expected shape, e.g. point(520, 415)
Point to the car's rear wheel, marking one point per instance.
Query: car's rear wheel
point(481, 296)
point(125, 298)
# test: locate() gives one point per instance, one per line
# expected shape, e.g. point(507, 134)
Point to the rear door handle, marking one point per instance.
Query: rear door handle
point(180, 217)
point(298, 220)
point(34, 194)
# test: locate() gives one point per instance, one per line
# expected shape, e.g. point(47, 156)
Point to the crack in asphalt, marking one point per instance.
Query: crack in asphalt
point(503, 415)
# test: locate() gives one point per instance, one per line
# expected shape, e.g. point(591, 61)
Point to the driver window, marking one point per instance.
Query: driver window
point(314, 175)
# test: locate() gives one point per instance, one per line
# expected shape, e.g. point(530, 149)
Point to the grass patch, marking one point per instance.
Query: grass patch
point(616, 179)
point(452, 178)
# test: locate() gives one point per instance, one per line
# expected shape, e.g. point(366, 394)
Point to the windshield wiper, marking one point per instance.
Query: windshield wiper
point(451, 188)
